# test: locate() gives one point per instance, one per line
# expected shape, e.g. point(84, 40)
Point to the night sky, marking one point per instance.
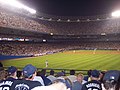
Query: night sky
point(73, 7)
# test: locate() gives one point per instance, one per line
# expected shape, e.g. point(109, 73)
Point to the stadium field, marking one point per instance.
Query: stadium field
point(76, 59)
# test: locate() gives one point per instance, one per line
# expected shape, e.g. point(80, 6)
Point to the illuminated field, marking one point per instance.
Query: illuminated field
point(81, 60)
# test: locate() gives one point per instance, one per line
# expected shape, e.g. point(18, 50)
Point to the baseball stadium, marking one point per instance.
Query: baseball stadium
point(58, 42)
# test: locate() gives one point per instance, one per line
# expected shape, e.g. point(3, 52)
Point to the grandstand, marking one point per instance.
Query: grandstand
point(24, 34)
point(36, 45)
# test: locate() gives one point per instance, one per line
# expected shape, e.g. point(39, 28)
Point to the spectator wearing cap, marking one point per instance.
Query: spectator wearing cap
point(111, 80)
point(12, 73)
point(94, 83)
point(5, 84)
point(29, 72)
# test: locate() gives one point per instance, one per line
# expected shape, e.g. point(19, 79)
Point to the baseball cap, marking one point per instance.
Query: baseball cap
point(29, 70)
point(95, 73)
point(111, 75)
point(11, 70)
point(60, 74)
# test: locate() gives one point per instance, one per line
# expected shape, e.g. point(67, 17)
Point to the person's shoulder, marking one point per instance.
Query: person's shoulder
point(26, 81)
point(10, 79)
point(77, 83)
point(95, 81)
point(6, 83)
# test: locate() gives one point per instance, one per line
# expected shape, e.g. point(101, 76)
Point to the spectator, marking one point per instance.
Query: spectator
point(51, 76)
point(19, 74)
point(77, 84)
point(29, 72)
point(111, 80)
point(45, 79)
point(4, 83)
point(62, 78)
point(1, 65)
point(55, 86)
point(39, 79)
point(87, 78)
point(12, 73)
point(3, 74)
point(72, 76)
point(94, 83)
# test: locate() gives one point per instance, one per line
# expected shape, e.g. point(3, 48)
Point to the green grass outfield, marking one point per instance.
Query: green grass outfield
point(79, 59)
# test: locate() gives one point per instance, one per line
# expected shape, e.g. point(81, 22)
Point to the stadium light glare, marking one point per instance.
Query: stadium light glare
point(116, 14)
point(17, 4)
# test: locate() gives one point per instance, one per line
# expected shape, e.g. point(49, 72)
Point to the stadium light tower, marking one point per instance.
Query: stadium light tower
point(17, 4)
point(116, 14)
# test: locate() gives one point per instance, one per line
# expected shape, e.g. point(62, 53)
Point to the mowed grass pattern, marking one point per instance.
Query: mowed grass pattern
point(80, 60)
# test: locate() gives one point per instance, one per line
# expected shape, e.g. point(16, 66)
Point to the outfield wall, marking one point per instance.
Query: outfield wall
point(3, 57)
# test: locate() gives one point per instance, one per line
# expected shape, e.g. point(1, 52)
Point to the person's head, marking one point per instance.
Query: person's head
point(102, 73)
point(19, 74)
point(3, 74)
point(59, 74)
point(43, 72)
point(1, 65)
point(12, 71)
point(111, 80)
point(95, 75)
point(80, 77)
point(51, 72)
point(72, 72)
point(89, 73)
point(29, 72)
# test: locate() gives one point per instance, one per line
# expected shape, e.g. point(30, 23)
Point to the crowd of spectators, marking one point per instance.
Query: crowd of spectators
point(34, 80)
point(12, 20)
point(31, 79)
point(37, 49)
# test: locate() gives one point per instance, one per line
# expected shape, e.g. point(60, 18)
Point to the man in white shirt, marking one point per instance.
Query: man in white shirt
point(51, 76)
point(72, 76)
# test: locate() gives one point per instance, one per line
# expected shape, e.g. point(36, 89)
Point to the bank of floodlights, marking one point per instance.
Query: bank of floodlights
point(17, 4)
point(116, 14)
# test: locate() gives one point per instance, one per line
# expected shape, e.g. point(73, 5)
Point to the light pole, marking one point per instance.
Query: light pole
point(116, 14)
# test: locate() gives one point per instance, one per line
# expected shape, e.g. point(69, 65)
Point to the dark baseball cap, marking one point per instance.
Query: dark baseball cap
point(112, 75)
point(95, 73)
point(29, 70)
point(11, 70)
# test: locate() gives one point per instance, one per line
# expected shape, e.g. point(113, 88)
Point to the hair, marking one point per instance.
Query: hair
point(72, 72)
point(52, 72)
point(112, 84)
point(43, 72)
point(1, 65)
point(89, 73)
point(19, 74)
point(3, 74)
